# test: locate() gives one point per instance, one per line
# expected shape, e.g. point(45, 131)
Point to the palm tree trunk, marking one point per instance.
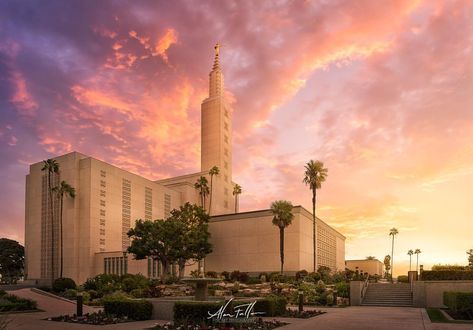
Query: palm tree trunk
point(52, 224)
point(236, 201)
point(410, 262)
point(210, 198)
point(392, 262)
point(314, 195)
point(62, 241)
point(281, 247)
point(417, 264)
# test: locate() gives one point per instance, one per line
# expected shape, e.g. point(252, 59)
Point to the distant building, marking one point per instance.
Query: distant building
point(109, 200)
point(372, 267)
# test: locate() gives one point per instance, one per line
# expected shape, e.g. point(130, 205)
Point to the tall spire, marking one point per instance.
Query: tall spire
point(216, 77)
point(216, 60)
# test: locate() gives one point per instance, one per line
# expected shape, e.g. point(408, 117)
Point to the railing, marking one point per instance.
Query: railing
point(364, 288)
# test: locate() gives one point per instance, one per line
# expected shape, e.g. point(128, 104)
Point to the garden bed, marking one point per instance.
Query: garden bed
point(96, 318)
point(259, 324)
point(302, 315)
point(10, 303)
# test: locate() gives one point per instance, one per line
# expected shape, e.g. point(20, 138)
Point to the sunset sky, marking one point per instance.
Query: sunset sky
point(380, 91)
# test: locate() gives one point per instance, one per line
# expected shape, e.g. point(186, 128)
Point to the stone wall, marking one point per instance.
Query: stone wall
point(430, 293)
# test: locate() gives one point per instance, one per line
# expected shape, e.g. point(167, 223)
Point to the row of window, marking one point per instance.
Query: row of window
point(115, 265)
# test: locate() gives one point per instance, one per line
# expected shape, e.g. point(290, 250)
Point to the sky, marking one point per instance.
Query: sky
point(380, 91)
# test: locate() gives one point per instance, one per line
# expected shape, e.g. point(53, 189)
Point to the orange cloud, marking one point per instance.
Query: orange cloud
point(163, 44)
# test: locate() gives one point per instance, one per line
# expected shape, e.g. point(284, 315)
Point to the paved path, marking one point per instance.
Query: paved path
point(372, 318)
point(350, 318)
point(54, 307)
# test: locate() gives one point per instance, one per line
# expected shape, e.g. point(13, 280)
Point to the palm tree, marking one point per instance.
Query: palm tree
point(63, 189)
point(282, 217)
point(213, 171)
point(370, 258)
point(236, 192)
point(314, 175)
point(417, 251)
point(51, 166)
point(410, 253)
point(202, 186)
point(393, 232)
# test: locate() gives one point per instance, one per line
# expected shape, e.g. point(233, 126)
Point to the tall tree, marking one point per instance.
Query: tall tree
point(213, 171)
point(470, 258)
point(12, 258)
point(236, 193)
point(387, 264)
point(392, 232)
point(194, 237)
point(315, 173)
point(410, 253)
point(417, 251)
point(64, 189)
point(282, 217)
point(51, 167)
point(181, 237)
point(202, 185)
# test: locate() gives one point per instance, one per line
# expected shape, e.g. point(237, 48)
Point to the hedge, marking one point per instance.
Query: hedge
point(9, 303)
point(63, 283)
point(446, 275)
point(194, 311)
point(458, 301)
point(198, 311)
point(137, 310)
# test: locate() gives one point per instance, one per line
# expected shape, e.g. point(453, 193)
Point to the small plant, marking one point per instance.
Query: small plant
point(64, 283)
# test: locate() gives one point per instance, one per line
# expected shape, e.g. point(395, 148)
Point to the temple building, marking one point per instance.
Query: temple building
point(109, 200)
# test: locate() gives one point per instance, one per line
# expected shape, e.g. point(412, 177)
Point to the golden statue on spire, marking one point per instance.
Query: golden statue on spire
point(217, 49)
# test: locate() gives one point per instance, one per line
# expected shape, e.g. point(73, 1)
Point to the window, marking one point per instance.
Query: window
point(102, 232)
point(148, 203)
point(102, 193)
point(102, 213)
point(225, 125)
point(167, 205)
point(225, 138)
point(126, 212)
point(103, 174)
point(102, 203)
point(102, 222)
point(102, 183)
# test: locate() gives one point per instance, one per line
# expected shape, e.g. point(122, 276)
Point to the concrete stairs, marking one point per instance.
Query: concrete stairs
point(387, 294)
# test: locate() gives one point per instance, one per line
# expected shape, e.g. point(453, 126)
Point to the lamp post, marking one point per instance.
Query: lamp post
point(80, 301)
point(301, 301)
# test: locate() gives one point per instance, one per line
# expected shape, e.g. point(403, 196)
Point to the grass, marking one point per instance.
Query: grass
point(436, 316)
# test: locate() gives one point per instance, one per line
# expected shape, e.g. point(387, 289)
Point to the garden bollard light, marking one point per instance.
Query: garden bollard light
point(301, 301)
point(79, 304)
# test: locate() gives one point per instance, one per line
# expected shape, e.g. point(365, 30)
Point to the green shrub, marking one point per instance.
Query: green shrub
point(93, 294)
point(264, 277)
point(253, 280)
point(449, 267)
point(70, 294)
point(194, 311)
point(131, 282)
point(313, 277)
point(9, 303)
point(343, 289)
point(116, 296)
point(85, 297)
point(320, 287)
point(236, 275)
point(459, 301)
point(103, 283)
point(211, 274)
point(2, 293)
point(446, 275)
point(225, 275)
point(301, 274)
point(137, 293)
point(137, 310)
point(403, 279)
point(63, 283)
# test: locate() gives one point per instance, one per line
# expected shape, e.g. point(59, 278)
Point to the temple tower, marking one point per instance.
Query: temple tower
point(217, 139)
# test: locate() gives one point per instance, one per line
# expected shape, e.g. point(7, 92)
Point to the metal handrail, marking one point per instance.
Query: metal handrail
point(364, 288)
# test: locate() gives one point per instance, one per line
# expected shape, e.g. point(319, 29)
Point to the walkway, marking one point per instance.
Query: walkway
point(350, 318)
point(373, 318)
